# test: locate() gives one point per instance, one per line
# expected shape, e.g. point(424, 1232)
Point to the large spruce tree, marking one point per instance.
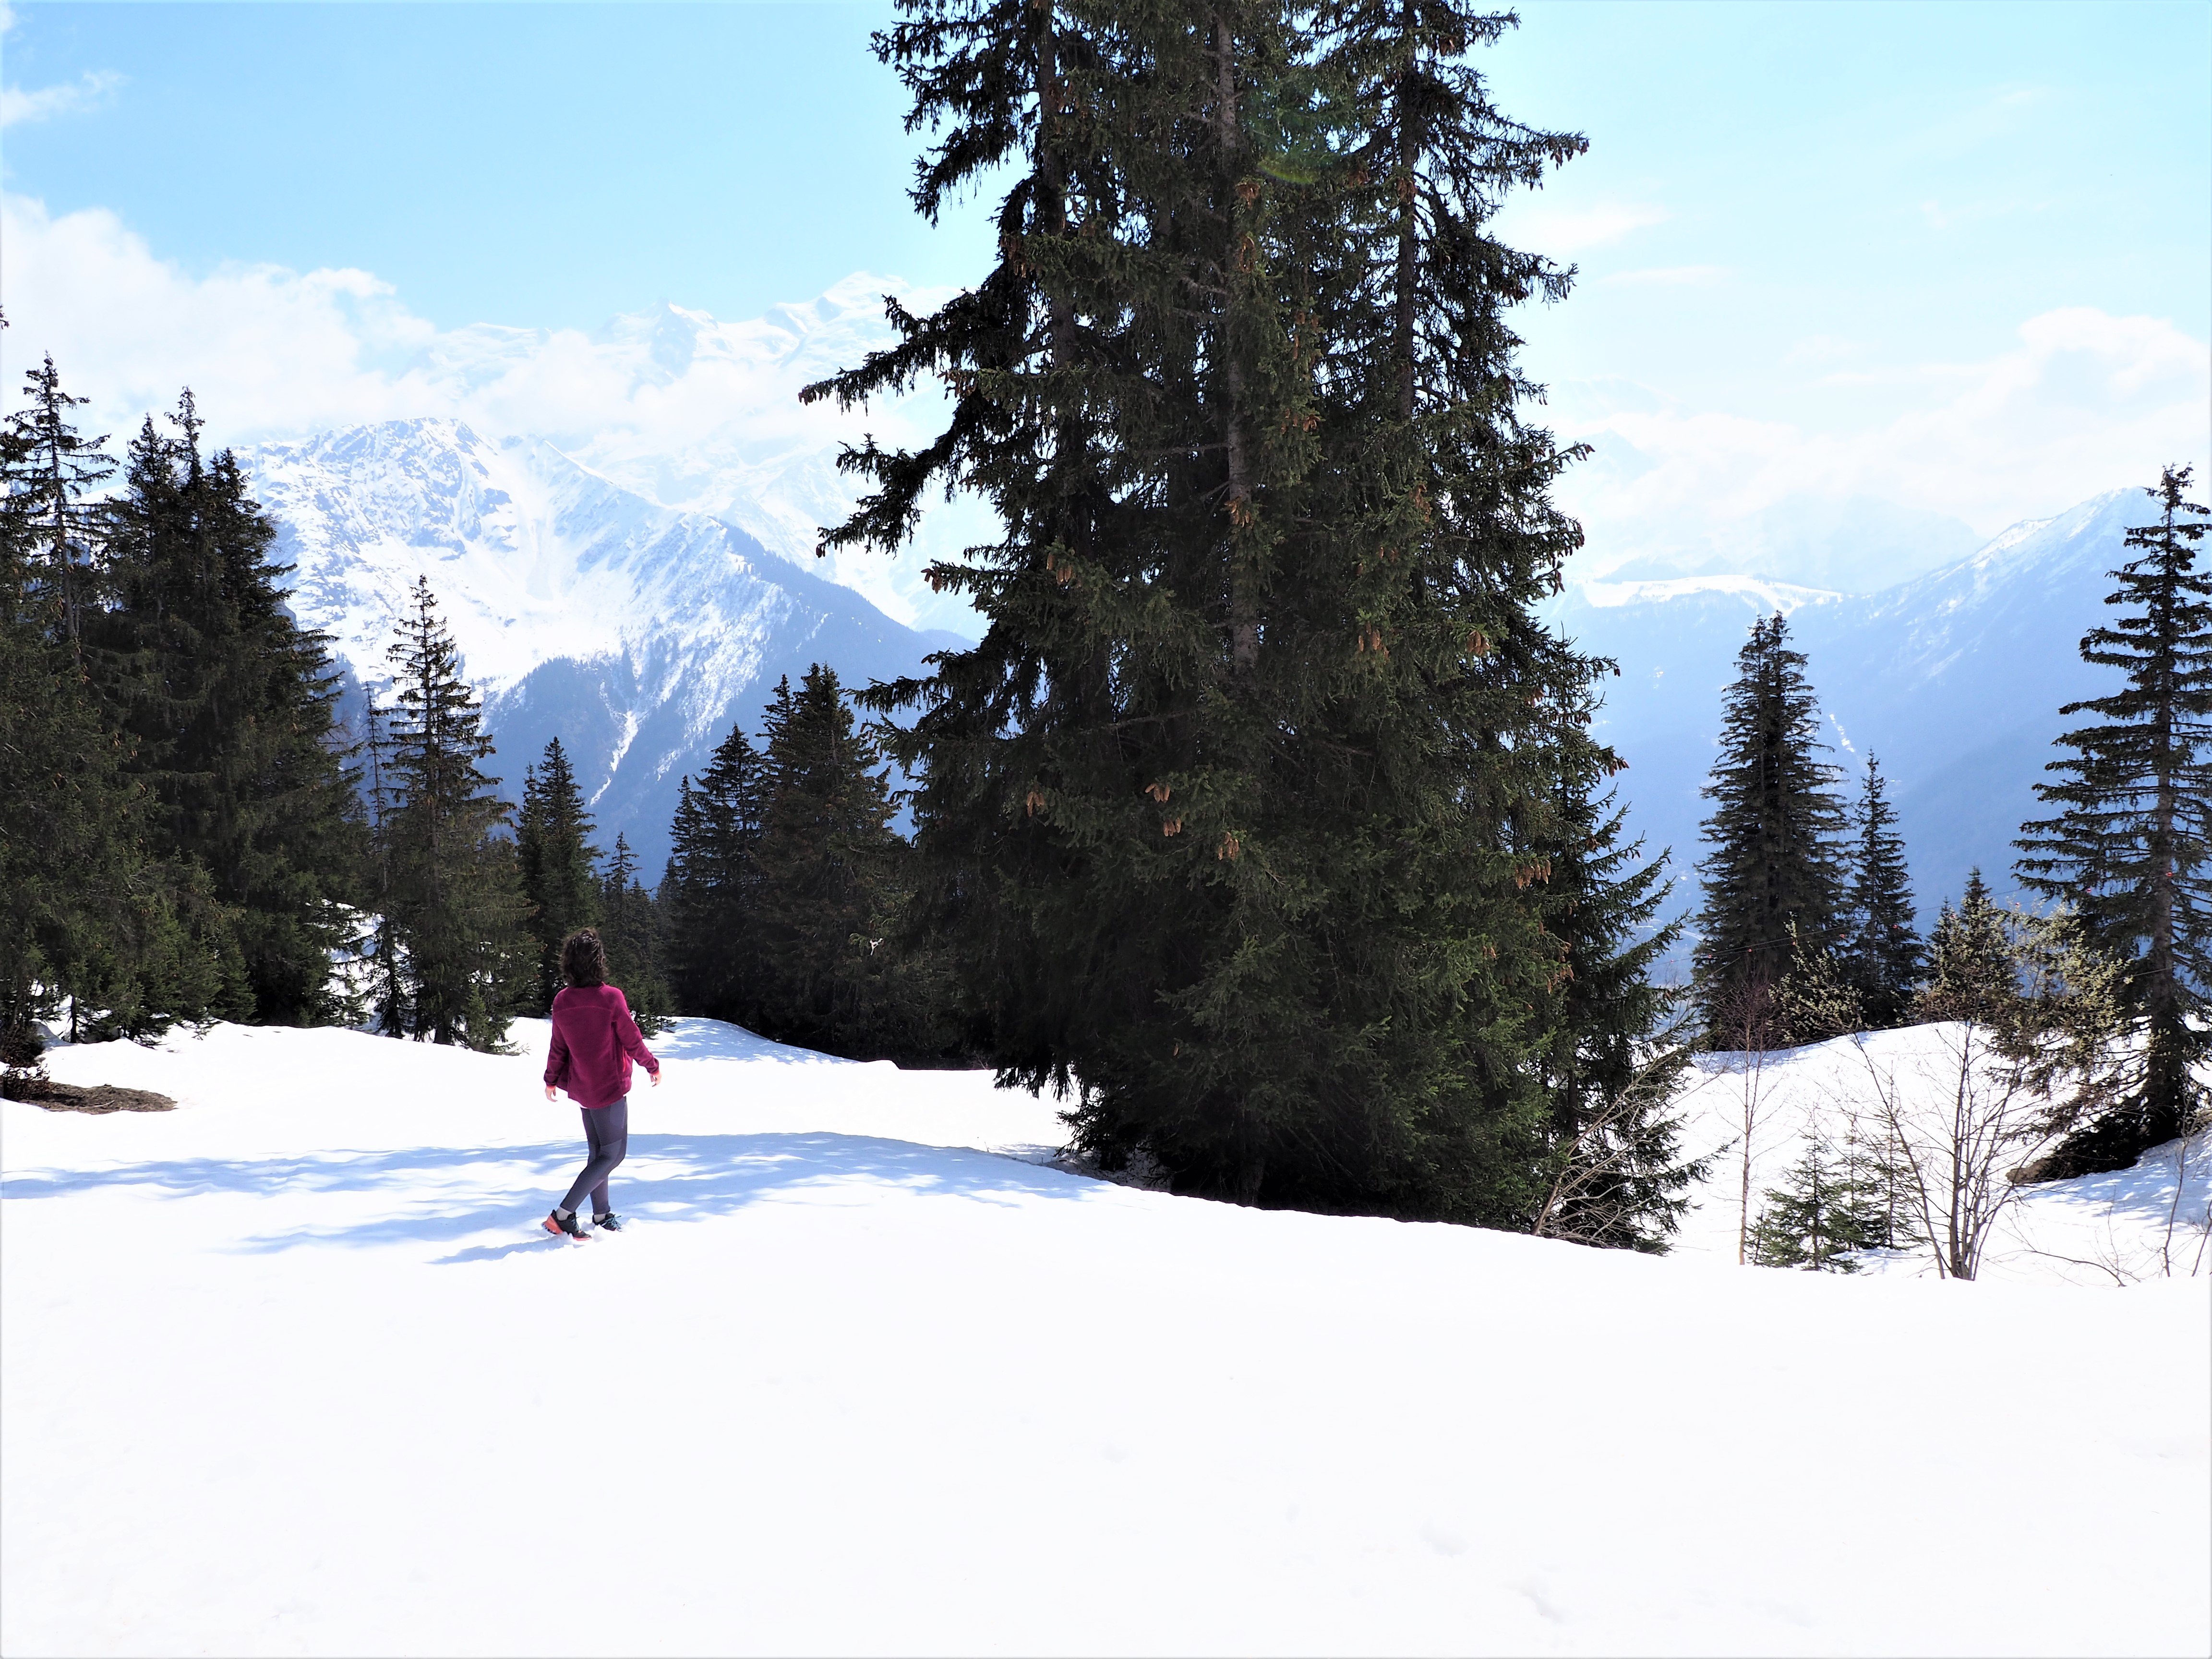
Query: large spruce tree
point(2129, 848)
point(229, 708)
point(454, 895)
point(1883, 957)
point(555, 855)
point(1773, 878)
point(71, 872)
point(1222, 808)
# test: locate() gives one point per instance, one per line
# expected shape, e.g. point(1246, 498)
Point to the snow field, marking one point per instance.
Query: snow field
point(287, 1370)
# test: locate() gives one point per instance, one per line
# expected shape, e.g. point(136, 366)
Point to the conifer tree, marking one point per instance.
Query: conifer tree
point(1883, 956)
point(554, 852)
point(709, 891)
point(455, 894)
point(630, 926)
point(1618, 1047)
point(388, 979)
point(1223, 806)
point(834, 972)
point(1972, 974)
point(230, 709)
point(100, 908)
point(1774, 864)
point(70, 868)
point(1825, 1211)
point(2130, 847)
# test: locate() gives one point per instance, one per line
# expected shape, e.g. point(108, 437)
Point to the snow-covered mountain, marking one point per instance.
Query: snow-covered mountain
point(635, 632)
point(638, 632)
point(1954, 679)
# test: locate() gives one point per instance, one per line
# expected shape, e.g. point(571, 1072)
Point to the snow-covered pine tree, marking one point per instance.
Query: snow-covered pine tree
point(1882, 954)
point(230, 707)
point(555, 855)
point(2130, 847)
point(629, 928)
point(708, 892)
point(1773, 835)
point(456, 894)
point(1222, 804)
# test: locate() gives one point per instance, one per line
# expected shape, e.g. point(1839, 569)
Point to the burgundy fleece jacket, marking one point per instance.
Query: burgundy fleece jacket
point(594, 1040)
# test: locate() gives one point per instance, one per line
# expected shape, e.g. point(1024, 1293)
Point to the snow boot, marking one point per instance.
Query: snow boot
point(609, 1223)
point(557, 1222)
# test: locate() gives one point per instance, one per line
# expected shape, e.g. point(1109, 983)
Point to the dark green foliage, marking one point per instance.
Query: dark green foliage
point(554, 852)
point(1825, 1210)
point(707, 894)
point(452, 896)
point(1617, 1052)
point(630, 928)
point(1882, 955)
point(227, 709)
point(69, 861)
point(836, 971)
point(93, 906)
point(1235, 814)
point(1972, 974)
point(1773, 881)
point(2130, 847)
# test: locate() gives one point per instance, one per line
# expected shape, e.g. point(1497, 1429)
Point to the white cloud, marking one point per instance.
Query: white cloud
point(704, 415)
point(40, 103)
point(2083, 402)
point(699, 414)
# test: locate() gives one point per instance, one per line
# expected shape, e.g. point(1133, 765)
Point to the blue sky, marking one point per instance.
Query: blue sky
point(1810, 235)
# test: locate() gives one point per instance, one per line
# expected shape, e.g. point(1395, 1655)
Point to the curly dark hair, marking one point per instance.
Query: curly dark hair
point(583, 958)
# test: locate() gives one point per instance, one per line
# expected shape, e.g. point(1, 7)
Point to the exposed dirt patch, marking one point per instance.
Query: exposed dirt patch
point(69, 1097)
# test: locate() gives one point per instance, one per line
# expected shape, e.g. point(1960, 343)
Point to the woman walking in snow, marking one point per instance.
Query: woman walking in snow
point(594, 1040)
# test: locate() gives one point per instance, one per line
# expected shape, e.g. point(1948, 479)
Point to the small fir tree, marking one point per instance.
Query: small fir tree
point(1823, 1212)
point(456, 891)
point(1773, 863)
point(554, 852)
point(629, 928)
point(2130, 849)
point(1882, 955)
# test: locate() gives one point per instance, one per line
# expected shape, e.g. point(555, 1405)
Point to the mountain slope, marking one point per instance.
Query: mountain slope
point(635, 632)
point(1954, 679)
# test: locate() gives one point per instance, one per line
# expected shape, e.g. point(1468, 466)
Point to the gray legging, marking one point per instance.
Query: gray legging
point(607, 1135)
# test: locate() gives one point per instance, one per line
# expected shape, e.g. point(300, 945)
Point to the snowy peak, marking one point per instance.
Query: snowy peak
point(1760, 595)
point(634, 632)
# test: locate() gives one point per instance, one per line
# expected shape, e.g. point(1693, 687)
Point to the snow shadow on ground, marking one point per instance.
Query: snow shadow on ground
point(668, 1178)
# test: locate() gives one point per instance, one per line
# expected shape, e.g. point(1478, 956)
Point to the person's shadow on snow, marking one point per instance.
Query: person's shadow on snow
point(666, 1179)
